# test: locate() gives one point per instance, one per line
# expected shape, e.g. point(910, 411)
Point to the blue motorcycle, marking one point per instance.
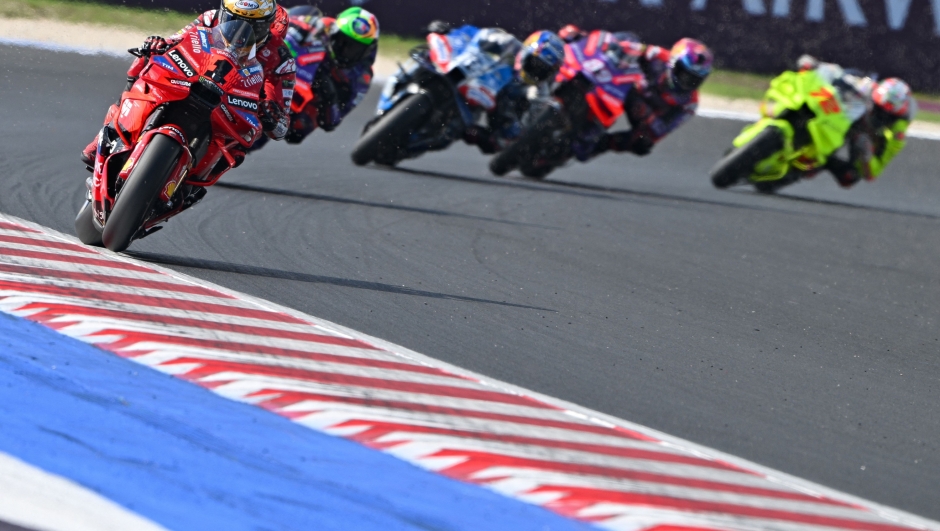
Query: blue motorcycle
point(443, 88)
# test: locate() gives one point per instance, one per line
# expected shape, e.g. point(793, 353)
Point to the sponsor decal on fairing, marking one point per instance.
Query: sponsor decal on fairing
point(161, 61)
point(204, 41)
point(227, 113)
point(181, 83)
point(182, 63)
point(250, 118)
point(243, 103)
point(310, 58)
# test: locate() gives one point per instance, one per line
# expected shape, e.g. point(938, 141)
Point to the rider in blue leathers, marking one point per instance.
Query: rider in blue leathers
point(535, 62)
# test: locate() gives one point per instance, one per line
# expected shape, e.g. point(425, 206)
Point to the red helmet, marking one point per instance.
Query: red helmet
point(571, 33)
point(894, 97)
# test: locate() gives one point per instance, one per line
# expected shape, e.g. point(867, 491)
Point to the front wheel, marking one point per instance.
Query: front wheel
point(391, 130)
point(85, 227)
point(139, 193)
point(740, 162)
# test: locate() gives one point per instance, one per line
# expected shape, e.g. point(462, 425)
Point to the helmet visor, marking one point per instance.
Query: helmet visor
point(686, 79)
point(261, 26)
point(347, 50)
point(236, 36)
point(537, 70)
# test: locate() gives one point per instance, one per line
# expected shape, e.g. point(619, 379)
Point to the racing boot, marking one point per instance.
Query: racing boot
point(88, 154)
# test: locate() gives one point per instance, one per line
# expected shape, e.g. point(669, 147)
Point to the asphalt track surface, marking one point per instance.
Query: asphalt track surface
point(797, 331)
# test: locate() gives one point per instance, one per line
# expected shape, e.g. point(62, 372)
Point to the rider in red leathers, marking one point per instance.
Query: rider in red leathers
point(270, 23)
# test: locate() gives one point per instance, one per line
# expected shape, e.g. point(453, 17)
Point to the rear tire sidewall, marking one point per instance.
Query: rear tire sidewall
point(139, 193)
point(388, 133)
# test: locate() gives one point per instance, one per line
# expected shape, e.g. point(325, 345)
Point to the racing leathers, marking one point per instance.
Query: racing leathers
point(654, 107)
point(874, 138)
point(279, 71)
point(337, 89)
point(503, 122)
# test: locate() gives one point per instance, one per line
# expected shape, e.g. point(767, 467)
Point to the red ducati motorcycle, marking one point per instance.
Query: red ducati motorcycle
point(173, 134)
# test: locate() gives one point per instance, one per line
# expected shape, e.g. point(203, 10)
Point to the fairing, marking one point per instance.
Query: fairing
point(213, 70)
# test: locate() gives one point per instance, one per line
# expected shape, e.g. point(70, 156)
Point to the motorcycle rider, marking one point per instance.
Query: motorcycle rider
point(269, 22)
point(535, 66)
point(535, 63)
point(667, 99)
point(343, 78)
point(880, 112)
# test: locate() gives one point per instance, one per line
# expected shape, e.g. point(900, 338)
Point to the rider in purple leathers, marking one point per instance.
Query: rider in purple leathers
point(667, 99)
point(349, 44)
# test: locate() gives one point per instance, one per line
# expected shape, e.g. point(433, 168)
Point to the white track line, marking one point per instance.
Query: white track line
point(35, 499)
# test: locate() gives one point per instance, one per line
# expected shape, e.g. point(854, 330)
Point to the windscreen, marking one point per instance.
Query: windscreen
point(237, 38)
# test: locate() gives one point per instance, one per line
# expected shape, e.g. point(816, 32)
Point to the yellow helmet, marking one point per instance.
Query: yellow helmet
point(258, 13)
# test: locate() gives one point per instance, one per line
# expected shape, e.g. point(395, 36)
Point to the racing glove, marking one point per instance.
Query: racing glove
point(274, 120)
point(154, 45)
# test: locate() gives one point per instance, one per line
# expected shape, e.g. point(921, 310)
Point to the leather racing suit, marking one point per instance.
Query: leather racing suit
point(873, 140)
point(275, 58)
point(338, 90)
point(654, 108)
point(503, 122)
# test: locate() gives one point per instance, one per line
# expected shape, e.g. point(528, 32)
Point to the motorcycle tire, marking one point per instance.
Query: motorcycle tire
point(739, 164)
point(85, 227)
point(535, 172)
point(387, 133)
point(526, 145)
point(143, 186)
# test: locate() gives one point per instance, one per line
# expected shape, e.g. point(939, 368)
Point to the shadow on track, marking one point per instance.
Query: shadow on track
point(346, 201)
point(832, 202)
point(589, 190)
point(214, 265)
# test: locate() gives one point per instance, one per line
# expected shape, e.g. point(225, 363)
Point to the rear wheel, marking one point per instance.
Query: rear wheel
point(527, 146)
point(139, 193)
point(387, 135)
point(739, 164)
point(85, 227)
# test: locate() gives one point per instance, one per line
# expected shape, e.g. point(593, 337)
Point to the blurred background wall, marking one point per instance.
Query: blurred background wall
point(891, 37)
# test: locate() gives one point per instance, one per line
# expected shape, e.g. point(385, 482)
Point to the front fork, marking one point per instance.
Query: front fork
point(100, 192)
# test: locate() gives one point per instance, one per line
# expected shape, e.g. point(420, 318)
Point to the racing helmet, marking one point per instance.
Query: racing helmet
point(893, 97)
point(304, 22)
point(690, 62)
point(571, 33)
point(353, 35)
point(259, 13)
point(540, 58)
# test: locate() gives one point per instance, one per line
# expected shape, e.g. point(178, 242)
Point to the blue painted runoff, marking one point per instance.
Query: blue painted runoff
point(191, 460)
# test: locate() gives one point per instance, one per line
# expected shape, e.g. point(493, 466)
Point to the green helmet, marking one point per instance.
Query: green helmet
point(354, 34)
